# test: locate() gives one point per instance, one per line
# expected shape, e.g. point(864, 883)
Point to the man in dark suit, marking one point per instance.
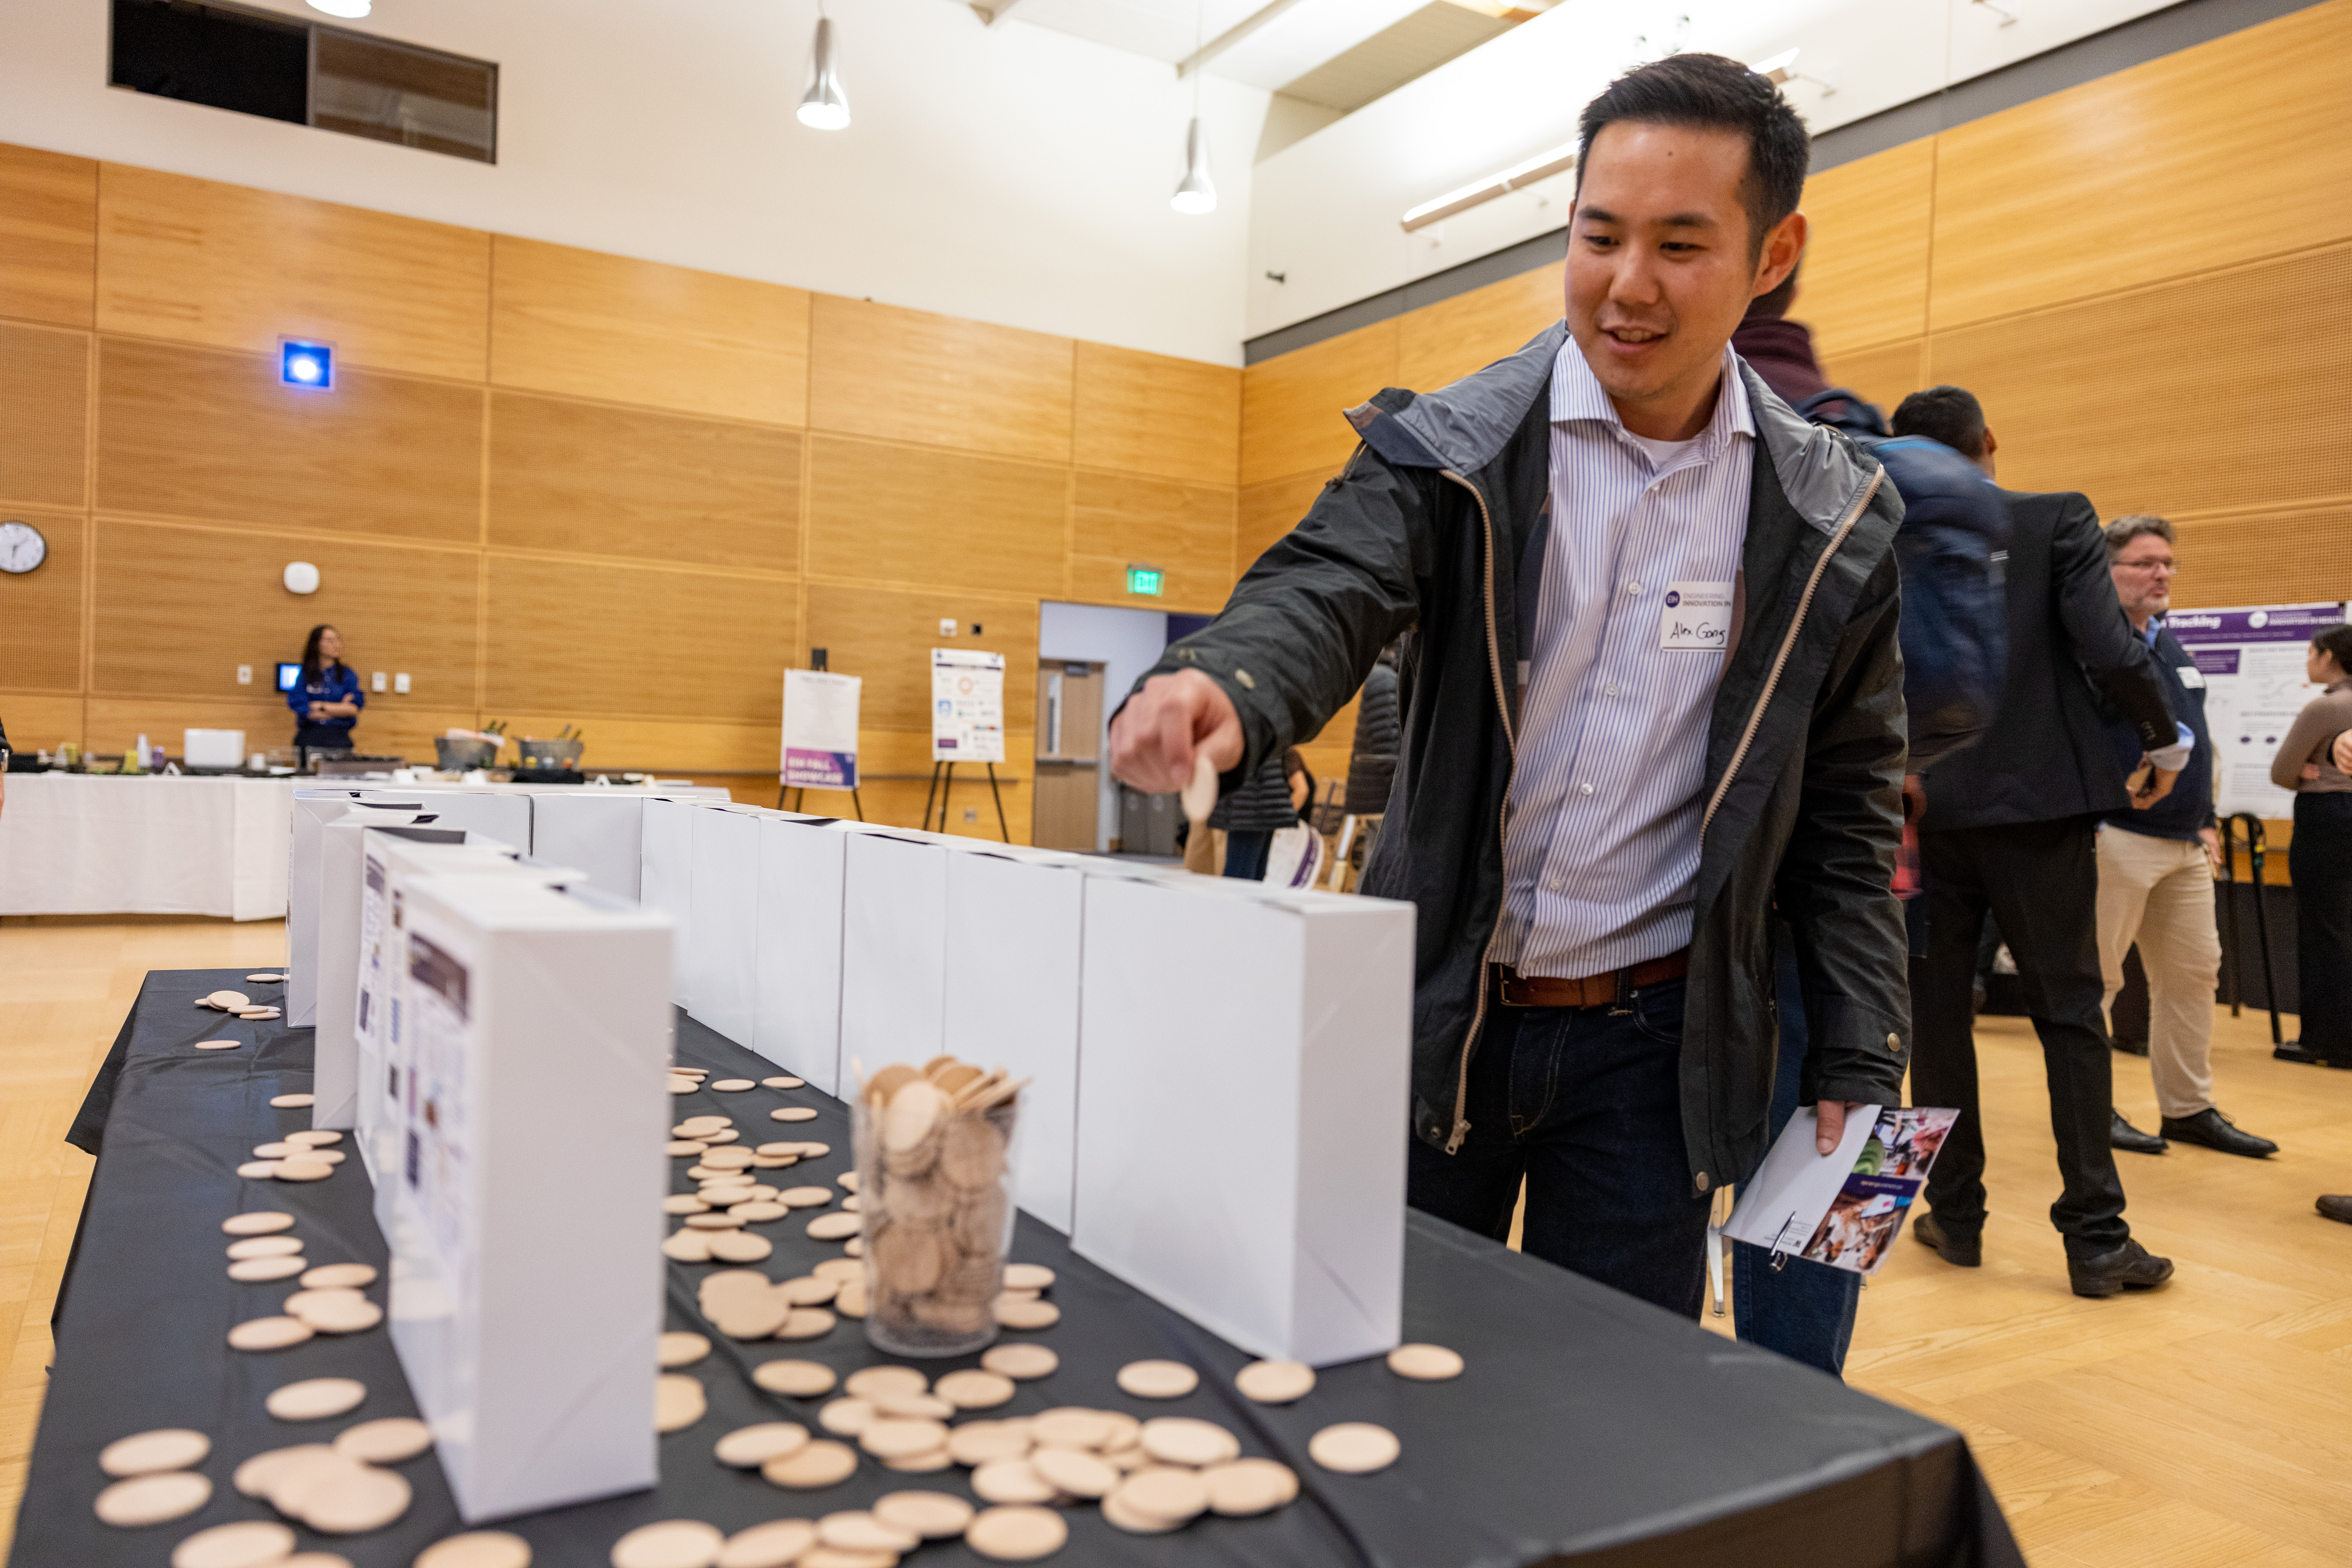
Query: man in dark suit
point(2010, 828)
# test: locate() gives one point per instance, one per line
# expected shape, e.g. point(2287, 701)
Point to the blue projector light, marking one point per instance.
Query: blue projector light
point(310, 365)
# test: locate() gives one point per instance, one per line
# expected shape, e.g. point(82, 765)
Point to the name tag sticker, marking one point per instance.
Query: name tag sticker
point(1697, 617)
point(2191, 675)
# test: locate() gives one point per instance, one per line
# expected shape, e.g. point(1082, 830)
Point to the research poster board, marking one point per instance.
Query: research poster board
point(820, 729)
point(967, 706)
point(2250, 660)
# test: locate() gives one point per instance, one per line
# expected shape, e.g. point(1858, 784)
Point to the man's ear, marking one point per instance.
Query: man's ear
point(1783, 248)
point(1993, 443)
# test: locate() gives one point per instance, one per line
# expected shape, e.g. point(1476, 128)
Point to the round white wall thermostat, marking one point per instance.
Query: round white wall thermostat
point(302, 577)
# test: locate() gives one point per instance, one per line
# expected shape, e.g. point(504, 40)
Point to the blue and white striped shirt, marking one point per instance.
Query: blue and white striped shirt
point(1601, 846)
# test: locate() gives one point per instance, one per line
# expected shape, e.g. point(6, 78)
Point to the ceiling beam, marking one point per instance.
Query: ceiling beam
point(1232, 36)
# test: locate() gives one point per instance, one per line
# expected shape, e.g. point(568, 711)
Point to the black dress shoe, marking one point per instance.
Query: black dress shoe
point(2130, 1267)
point(2122, 1134)
point(2128, 1048)
point(2215, 1130)
point(2337, 1208)
point(1952, 1249)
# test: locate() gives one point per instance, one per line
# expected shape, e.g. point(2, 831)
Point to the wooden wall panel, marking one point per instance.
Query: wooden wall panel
point(593, 325)
point(1186, 530)
point(2229, 390)
point(176, 610)
point(925, 514)
point(199, 432)
point(581, 638)
point(386, 727)
point(41, 721)
point(601, 480)
point(2199, 159)
point(234, 267)
point(48, 236)
point(40, 611)
point(1267, 512)
point(44, 416)
point(909, 376)
point(1149, 413)
point(2294, 555)
point(1294, 407)
point(671, 747)
point(1865, 279)
point(885, 637)
point(1443, 343)
point(1886, 375)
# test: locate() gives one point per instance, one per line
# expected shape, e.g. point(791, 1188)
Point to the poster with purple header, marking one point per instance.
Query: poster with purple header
point(820, 729)
point(2249, 662)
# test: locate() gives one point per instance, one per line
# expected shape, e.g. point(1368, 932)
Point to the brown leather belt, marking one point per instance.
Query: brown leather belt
point(1516, 990)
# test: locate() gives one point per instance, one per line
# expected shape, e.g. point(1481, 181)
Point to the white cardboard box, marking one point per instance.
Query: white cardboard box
point(893, 949)
point(721, 963)
point(601, 831)
point(527, 1289)
point(313, 809)
point(1243, 1108)
point(666, 876)
point(341, 880)
point(1014, 928)
point(797, 991)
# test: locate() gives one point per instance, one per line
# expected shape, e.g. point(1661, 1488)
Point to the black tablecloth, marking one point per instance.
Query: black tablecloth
point(1588, 1425)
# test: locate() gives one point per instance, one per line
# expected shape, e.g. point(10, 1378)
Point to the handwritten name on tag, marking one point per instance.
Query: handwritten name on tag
point(1697, 617)
point(2191, 675)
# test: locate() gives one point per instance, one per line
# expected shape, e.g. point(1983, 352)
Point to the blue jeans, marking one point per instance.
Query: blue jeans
point(1247, 853)
point(1804, 1309)
point(1585, 1103)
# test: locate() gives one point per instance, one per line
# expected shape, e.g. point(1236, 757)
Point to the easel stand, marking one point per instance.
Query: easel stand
point(2256, 856)
point(856, 803)
point(942, 781)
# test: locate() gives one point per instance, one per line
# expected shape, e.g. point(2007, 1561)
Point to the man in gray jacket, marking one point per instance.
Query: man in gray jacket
point(1654, 688)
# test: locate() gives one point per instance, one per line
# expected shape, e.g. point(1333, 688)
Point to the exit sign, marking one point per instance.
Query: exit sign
point(1145, 580)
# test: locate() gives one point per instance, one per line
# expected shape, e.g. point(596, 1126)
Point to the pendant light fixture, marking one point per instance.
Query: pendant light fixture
point(822, 106)
point(1197, 194)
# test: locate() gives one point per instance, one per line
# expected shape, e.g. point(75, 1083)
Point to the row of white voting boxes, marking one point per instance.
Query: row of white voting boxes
point(527, 1289)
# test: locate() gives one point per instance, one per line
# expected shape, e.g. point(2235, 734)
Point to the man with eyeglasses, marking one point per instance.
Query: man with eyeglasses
point(2155, 874)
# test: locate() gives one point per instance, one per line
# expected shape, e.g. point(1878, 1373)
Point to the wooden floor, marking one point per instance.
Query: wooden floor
point(2206, 1426)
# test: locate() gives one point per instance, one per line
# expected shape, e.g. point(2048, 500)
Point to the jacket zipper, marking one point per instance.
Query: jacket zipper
point(1788, 643)
point(1502, 820)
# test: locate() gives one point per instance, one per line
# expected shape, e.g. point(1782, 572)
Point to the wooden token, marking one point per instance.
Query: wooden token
point(839, 1268)
point(1181, 1441)
point(868, 1381)
point(1069, 1427)
point(681, 1148)
point(389, 1441)
point(695, 1126)
point(774, 1161)
point(822, 1463)
point(353, 1501)
point(678, 1348)
point(756, 1211)
point(249, 1544)
point(672, 1543)
point(888, 1082)
point(1158, 1379)
point(910, 1407)
point(747, 1317)
point(340, 1277)
point(732, 1085)
point(749, 1447)
point(813, 1151)
point(835, 1227)
point(1245, 1486)
point(851, 1303)
point(336, 1314)
point(1163, 1492)
point(683, 1085)
point(809, 1291)
point(778, 1543)
point(1016, 1534)
point(265, 978)
point(269, 1335)
point(249, 1271)
point(258, 1170)
point(330, 1156)
point(738, 1247)
point(147, 1453)
point(1354, 1448)
point(293, 1102)
point(478, 1549)
point(726, 1158)
point(783, 1081)
point(1021, 1363)
point(1425, 1363)
point(227, 999)
point(714, 1221)
point(806, 1323)
point(1275, 1382)
point(154, 1499)
point(859, 1531)
point(978, 1443)
point(318, 1136)
point(1126, 1432)
point(1020, 1314)
point(687, 1247)
point(315, 1399)
point(1120, 1514)
point(1028, 1277)
point(254, 1477)
point(973, 1389)
point(678, 1401)
point(724, 1135)
point(845, 1418)
point(263, 1247)
point(846, 1181)
point(683, 1203)
point(218, 1045)
point(260, 1223)
point(1072, 1471)
point(801, 1379)
point(934, 1516)
point(793, 1113)
point(804, 1197)
point(303, 1170)
point(1011, 1481)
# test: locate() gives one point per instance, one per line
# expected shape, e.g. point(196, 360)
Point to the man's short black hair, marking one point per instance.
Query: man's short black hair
point(1716, 93)
point(1947, 414)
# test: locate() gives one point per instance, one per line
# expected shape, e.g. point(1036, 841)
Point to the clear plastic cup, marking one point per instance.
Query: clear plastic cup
point(938, 1205)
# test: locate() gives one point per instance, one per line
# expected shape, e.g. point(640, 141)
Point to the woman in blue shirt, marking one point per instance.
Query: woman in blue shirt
point(326, 697)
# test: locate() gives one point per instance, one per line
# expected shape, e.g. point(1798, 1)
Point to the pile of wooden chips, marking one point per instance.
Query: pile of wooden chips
point(238, 1003)
point(932, 1163)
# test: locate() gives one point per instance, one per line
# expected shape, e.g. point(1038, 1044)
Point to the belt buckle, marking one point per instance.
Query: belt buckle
point(1503, 989)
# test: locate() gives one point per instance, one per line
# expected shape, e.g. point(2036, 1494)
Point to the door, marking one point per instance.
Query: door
point(1065, 802)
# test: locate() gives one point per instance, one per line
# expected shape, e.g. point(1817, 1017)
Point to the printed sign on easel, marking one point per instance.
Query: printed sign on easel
point(820, 729)
point(967, 706)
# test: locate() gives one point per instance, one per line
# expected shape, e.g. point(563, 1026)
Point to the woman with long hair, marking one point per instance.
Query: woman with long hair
point(326, 697)
point(2319, 860)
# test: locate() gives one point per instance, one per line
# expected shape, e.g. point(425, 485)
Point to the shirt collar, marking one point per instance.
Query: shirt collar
point(2155, 629)
point(1577, 395)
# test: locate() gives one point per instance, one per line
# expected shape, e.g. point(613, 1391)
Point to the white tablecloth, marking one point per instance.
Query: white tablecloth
point(78, 844)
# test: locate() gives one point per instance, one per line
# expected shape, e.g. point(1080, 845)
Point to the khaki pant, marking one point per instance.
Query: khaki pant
point(2158, 892)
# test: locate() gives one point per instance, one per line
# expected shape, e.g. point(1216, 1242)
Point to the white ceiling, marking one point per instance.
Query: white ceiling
point(1303, 36)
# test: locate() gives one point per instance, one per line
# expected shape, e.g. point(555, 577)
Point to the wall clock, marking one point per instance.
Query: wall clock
point(22, 548)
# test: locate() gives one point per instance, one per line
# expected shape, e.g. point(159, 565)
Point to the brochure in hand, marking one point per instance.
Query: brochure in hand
point(1844, 1208)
